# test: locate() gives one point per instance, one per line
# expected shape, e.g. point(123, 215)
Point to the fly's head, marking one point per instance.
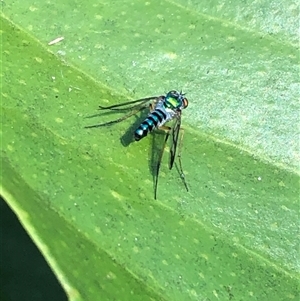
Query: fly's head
point(175, 101)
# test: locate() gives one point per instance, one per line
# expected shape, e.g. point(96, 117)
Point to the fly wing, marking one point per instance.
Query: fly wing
point(174, 139)
point(138, 102)
point(136, 106)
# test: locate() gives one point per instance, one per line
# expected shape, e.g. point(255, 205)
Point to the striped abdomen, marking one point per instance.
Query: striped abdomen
point(154, 119)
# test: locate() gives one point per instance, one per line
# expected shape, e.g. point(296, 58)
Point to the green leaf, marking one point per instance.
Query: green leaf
point(87, 201)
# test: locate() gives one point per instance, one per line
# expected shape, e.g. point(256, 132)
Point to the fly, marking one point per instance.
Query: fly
point(163, 109)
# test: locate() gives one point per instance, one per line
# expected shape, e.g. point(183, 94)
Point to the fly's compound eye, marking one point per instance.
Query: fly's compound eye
point(185, 103)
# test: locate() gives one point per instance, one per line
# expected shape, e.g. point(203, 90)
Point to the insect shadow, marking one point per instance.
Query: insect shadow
point(128, 137)
point(157, 140)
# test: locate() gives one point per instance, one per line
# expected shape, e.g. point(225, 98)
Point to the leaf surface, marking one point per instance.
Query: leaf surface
point(87, 201)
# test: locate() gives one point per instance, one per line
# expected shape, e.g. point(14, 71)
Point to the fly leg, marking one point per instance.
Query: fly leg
point(167, 130)
point(180, 169)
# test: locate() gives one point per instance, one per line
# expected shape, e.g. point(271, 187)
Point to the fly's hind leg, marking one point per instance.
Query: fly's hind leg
point(180, 169)
point(167, 130)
